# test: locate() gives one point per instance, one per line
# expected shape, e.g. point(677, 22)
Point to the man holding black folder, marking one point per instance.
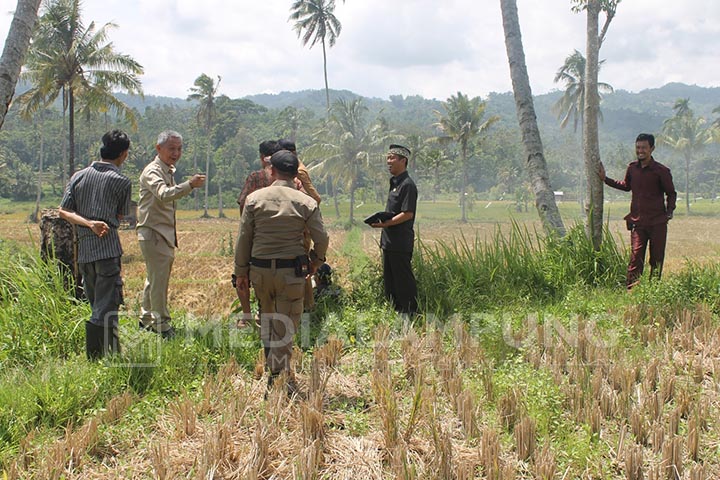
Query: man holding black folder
point(398, 237)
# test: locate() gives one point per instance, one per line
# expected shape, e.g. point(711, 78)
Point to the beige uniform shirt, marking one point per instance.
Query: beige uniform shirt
point(272, 225)
point(307, 184)
point(156, 208)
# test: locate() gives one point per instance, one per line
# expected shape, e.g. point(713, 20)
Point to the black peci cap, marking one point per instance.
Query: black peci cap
point(285, 161)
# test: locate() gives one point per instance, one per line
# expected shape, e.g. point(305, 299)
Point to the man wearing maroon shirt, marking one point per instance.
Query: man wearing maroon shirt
point(651, 184)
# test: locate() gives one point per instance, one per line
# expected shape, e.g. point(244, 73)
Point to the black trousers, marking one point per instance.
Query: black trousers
point(400, 286)
point(103, 289)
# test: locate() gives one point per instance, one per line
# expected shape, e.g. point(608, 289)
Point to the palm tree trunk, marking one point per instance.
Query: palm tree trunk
point(535, 162)
point(71, 132)
point(687, 183)
point(38, 197)
point(352, 202)
point(196, 194)
point(13, 55)
point(64, 140)
point(332, 190)
point(327, 89)
point(463, 184)
point(207, 179)
point(221, 214)
point(591, 143)
point(436, 188)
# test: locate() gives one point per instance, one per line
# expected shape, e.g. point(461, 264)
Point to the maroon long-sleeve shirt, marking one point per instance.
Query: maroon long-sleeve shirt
point(650, 186)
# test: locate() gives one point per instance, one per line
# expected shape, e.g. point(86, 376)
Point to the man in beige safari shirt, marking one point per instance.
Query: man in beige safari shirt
point(270, 255)
point(156, 228)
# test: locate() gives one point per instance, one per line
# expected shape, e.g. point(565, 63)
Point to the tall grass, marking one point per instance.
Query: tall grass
point(519, 266)
point(695, 284)
point(45, 381)
point(39, 317)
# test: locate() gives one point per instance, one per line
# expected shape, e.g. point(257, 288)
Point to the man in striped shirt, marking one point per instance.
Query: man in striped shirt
point(95, 200)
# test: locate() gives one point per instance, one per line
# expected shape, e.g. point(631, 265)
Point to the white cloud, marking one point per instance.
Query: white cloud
point(406, 47)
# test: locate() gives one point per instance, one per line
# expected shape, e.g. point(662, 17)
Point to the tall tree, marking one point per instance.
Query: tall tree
point(431, 162)
point(204, 91)
point(287, 122)
point(16, 46)
point(686, 134)
point(572, 104)
point(315, 21)
point(343, 149)
point(591, 141)
point(462, 123)
point(535, 159)
point(73, 60)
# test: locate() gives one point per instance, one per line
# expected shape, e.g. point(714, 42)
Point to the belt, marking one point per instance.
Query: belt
point(268, 262)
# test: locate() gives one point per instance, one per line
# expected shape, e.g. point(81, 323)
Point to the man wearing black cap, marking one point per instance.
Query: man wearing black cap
point(398, 237)
point(269, 254)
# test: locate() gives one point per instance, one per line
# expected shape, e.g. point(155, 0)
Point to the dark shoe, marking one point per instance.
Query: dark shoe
point(168, 334)
point(94, 341)
point(114, 341)
point(270, 382)
point(100, 340)
point(292, 389)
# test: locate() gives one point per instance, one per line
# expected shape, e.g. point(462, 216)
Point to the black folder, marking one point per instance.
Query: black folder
point(379, 217)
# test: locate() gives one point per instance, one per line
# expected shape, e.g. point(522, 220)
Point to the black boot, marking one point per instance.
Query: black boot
point(94, 341)
point(270, 382)
point(113, 340)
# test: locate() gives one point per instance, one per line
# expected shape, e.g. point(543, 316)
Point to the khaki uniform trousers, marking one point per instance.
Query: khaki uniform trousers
point(280, 296)
point(309, 300)
point(159, 257)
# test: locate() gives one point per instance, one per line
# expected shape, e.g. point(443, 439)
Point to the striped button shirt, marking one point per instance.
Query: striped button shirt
point(98, 192)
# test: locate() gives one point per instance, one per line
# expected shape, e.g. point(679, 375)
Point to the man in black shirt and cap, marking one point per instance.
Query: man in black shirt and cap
point(398, 237)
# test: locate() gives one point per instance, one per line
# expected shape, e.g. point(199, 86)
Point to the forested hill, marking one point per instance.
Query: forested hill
point(624, 113)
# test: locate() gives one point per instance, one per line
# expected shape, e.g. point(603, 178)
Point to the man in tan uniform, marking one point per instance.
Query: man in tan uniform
point(306, 186)
point(270, 255)
point(156, 228)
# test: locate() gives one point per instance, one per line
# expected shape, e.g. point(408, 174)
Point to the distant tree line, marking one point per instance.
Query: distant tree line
point(463, 148)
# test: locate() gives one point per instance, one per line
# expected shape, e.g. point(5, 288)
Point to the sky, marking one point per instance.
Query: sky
point(401, 47)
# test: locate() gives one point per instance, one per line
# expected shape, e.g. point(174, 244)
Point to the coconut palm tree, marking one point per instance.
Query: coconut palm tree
point(572, 103)
point(686, 134)
point(74, 61)
point(431, 162)
point(345, 148)
point(315, 22)
point(13, 55)
point(204, 91)
point(591, 141)
point(288, 121)
point(462, 123)
point(535, 163)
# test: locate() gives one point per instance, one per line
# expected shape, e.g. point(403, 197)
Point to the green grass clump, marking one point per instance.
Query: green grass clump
point(695, 284)
point(518, 266)
point(39, 317)
point(52, 395)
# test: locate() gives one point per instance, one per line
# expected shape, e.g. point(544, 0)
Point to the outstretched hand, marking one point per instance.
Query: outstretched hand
point(601, 172)
point(197, 180)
